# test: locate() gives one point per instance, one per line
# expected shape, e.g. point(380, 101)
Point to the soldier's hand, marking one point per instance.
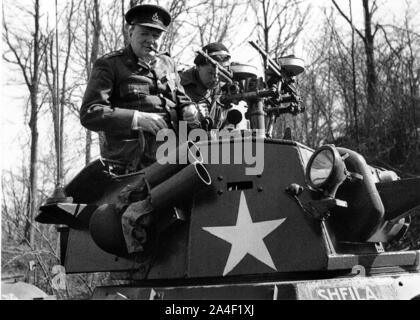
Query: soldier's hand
point(203, 111)
point(150, 122)
point(189, 113)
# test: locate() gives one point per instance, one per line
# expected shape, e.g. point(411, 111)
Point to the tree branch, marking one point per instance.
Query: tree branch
point(348, 20)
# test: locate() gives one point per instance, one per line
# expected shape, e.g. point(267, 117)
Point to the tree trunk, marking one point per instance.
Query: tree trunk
point(123, 24)
point(55, 105)
point(33, 171)
point(371, 77)
point(97, 29)
point(353, 67)
point(124, 10)
point(266, 31)
point(371, 115)
point(91, 58)
point(60, 110)
point(33, 125)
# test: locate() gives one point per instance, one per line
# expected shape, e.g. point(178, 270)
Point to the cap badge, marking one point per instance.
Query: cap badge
point(156, 17)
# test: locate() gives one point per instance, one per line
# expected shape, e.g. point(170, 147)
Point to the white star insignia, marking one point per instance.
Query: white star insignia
point(246, 237)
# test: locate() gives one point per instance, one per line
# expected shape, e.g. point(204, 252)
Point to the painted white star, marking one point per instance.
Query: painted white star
point(246, 237)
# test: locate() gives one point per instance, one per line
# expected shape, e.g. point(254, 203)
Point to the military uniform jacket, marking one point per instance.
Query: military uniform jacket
point(193, 86)
point(120, 83)
point(198, 93)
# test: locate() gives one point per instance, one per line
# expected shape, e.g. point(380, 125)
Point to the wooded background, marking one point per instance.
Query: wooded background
point(360, 89)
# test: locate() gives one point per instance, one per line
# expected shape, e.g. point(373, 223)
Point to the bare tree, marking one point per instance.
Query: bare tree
point(368, 36)
point(131, 4)
point(57, 79)
point(93, 20)
point(180, 11)
point(114, 29)
point(14, 203)
point(279, 23)
point(397, 64)
point(27, 53)
point(221, 17)
point(354, 85)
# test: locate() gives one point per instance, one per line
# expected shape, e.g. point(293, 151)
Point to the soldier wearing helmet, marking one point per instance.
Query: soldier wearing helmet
point(135, 92)
point(202, 84)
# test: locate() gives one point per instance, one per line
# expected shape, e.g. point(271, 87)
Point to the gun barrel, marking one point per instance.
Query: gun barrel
point(225, 74)
point(274, 66)
point(246, 96)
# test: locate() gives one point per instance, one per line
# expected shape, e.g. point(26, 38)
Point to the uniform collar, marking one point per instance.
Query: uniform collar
point(134, 61)
point(130, 57)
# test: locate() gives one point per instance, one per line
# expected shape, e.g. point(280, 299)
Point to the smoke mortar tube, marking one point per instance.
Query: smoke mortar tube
point(106, 226)
point(158, 173)
point(180, 187)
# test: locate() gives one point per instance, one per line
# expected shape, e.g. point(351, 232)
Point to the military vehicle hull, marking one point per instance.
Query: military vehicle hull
point(244, 236)
point(355, 287)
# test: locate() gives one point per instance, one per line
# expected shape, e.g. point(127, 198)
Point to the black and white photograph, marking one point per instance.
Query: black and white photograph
point(210, 154)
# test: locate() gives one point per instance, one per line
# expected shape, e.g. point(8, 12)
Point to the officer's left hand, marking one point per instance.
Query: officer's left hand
point(190, 113)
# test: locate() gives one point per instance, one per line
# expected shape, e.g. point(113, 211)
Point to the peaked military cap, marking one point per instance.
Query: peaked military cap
point(215, 50)
point(149, 15)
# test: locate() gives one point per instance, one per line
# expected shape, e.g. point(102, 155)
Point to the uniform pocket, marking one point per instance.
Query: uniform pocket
point(133, 90)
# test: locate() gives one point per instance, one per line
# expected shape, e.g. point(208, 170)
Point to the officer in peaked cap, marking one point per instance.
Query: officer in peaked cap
point(201, 83)
point(149, 15)
point(135, 92)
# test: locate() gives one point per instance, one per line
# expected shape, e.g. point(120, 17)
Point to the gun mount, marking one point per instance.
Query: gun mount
point(273, 97)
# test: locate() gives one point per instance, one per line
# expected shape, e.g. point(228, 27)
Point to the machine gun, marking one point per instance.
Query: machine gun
point(282, 78)
point(265, 97)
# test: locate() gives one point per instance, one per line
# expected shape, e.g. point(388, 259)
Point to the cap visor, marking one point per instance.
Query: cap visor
point(151, 25)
